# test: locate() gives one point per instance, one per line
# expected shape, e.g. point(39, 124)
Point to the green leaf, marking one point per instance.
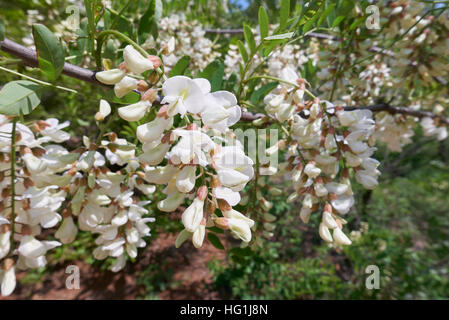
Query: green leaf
point(287, 35)
point(49, 51)
point(19, 97)
point(285, 11)
point(2, 31)
point(249, 38)
point(215, 241)
point(337, 21)
point(148, 22)
point(214, 72)
point(130, 98)
point(356, 23)
point(215, 229)
point(180, 66)
point(263, 22)
point(309, 23)
point(325, 14)
point(262, 92)
point(242, 50)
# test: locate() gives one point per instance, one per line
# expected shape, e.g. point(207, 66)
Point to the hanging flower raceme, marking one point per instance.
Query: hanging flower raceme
point(324, 144)
point(183, 157)
point(31, 193)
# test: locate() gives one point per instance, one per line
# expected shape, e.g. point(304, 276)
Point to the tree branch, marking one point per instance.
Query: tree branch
point(248, 116)
point(29, 58)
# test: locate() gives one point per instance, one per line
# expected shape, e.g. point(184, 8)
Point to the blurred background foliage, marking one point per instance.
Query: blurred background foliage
point(402, 226)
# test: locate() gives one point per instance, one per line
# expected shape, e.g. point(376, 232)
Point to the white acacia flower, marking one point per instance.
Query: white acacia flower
point(120, 156)
point(110, 77)
point(185, 95)
point(233, 167)
point(358, 119)
point(33, 163)
point(134, 112)
point(340, 237)
point(172, 202)
point(240, 228)
point(67, 231)
point(54, 132)
point(89, 159)
point(328, 220)
point(198, 236)
point(125, 86)
point(7, 281)
point(26, 135)
point(223, 112)
point(154, 152)
point(32, 252)
point(153, 130)
point(5, 243)
point(355, 141)
point(231, 197)
point(311, 170)
point(105, 110)
point(304, 214)
point(343, 203)
point(135, 62)
point(234, 214)
point(337, 188)
point(366, 179)
point(160, 175)
point(324, 233)
point(44, 205)
point(193, 215)
point(185, 181)
point(193, 147)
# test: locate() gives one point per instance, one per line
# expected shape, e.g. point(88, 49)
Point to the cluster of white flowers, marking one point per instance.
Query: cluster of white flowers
point(188, 148)
point(59, 190)
point(395, 131)
point(324, 143)
point(179, 37)
point(35, 195)
point(191, 159)
point(413, 59)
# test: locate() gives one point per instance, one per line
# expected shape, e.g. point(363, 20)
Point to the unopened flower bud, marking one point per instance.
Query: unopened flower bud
point(222, 223)
point(223, 205)
point(149, 95)
point(142, 85)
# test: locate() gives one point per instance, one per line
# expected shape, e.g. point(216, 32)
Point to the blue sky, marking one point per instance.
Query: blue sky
point(243, 4)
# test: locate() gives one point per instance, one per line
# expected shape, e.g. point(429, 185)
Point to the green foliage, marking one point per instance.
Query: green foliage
point(214, 72)
point(19, 97)
point(215, 241)
point(2, 30)
point(249, 38)
point(284, 13)
point(148, 22)
point(242, 51)
point(263, 22)
point(180, 67)
point(49, 51)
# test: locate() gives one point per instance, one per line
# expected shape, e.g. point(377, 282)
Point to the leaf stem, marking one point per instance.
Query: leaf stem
point(37, 81)
point(13, 185)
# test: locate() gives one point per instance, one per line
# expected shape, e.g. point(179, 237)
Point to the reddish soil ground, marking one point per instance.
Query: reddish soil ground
point(186, 266)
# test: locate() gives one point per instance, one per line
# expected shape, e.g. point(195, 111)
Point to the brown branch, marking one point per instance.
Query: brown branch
point(29, 58)
point(248, 116)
